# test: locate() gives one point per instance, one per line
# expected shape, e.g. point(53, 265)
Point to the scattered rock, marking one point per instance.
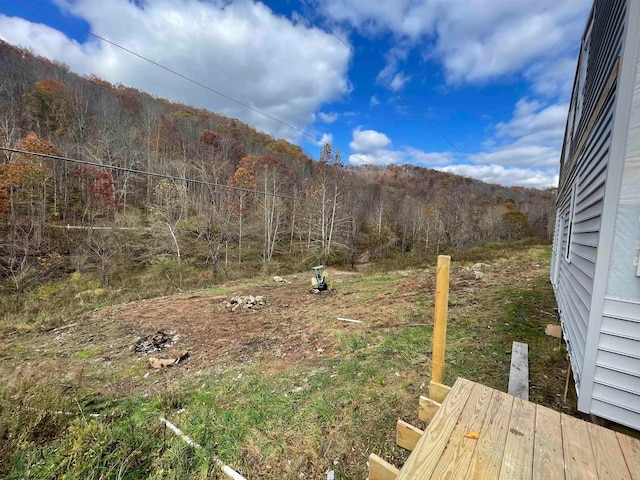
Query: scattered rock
point(246, 302)
point(278, 279)
point(477, 270)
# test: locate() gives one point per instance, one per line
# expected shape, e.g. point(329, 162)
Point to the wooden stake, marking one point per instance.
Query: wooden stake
point(440, 319)
point(566, 383)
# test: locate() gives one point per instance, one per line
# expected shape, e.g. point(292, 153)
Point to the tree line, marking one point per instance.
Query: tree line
point(285, 208)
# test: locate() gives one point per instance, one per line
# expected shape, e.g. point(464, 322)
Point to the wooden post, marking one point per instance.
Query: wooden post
point(440, 319)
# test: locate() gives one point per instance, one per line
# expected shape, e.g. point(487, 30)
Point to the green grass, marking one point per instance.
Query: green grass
point(89, 353)
point(329, 412)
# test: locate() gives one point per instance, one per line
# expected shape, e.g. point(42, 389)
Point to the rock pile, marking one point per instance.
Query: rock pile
point(477, 270)
point(246, 302)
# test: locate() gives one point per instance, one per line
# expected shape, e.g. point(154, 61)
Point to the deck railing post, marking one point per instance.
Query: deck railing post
point(440, 318)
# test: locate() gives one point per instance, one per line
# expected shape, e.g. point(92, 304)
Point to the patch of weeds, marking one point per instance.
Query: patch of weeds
point(212, 292)
point(89, 353)
point(353, 343)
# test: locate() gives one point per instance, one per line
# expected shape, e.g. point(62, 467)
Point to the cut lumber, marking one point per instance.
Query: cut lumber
point(427, 409)
point(407, 435)
point(438, 391)
point(519, 373)
point(381, 470)
point(350, 320)
point(440, 318)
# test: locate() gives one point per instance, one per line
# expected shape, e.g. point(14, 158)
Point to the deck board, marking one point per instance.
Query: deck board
point(548, 461)
point(457, 455)
point(517, 440)
point(630, 448)
point(487, 457)
point(609, 460)
point(578, 454)
point(517, 462)
point(422, 462)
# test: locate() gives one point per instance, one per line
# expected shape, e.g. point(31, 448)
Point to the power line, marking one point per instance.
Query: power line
point(184, 77)
point(159, 175)
point(387, 84)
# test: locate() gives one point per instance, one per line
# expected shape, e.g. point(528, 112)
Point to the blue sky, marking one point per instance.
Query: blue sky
point(492, 76)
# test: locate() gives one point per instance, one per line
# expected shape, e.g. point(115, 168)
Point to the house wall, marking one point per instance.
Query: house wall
point(583, 177)
point(616, 384)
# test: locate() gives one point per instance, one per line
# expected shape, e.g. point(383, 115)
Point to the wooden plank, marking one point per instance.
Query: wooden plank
point(407, 436)
point(487, 458)
point(425, 456)
point(630, 448)
point(578, 455)
point(610, 463)
point(519, 373)
point(427, 409)
point(457, 456)
point(548, 463)
point(518, 449)
point(438, 392)
point(381, 470)
point(440, 318)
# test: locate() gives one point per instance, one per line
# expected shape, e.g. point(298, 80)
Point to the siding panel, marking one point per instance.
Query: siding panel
point(585, 170)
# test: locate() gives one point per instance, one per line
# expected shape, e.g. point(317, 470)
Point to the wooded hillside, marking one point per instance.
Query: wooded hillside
point(307, 211)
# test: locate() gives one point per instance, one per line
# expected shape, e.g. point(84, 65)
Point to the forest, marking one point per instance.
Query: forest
point(224, 200)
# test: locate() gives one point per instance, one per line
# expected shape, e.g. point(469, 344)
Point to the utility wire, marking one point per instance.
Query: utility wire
point(184, 77)
point(159, 175)
point(379, 77)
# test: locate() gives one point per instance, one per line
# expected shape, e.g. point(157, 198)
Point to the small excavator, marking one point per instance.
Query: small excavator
point(320, 280)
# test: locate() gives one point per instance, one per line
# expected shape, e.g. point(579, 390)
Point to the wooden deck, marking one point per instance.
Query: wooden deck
point(481, 433)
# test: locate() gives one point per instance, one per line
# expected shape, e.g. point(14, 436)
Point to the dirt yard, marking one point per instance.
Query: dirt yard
point(295, 335)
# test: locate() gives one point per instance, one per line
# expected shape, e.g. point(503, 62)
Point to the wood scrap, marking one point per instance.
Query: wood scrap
point(553, 331)
point(167, 362)
point(349, 320)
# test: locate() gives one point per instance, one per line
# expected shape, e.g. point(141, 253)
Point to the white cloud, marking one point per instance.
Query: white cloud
point(371, 147)
point(531, 138)
point(328, 117)
point(399, 80)
point(368, 141)
point(521, 156)
point(477, 40)
point(524, 151)
point(502, 175)
point(553, 78)
point(428, 159)
point(391, 75)
point(379, 158)
point(374, 101)
point(231, 47)
point(326, 139)
point(533, 124)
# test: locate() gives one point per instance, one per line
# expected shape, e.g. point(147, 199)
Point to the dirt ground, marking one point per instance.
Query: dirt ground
point(294, 326)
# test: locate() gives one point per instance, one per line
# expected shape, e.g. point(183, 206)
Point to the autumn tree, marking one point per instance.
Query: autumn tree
point(243, 180)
